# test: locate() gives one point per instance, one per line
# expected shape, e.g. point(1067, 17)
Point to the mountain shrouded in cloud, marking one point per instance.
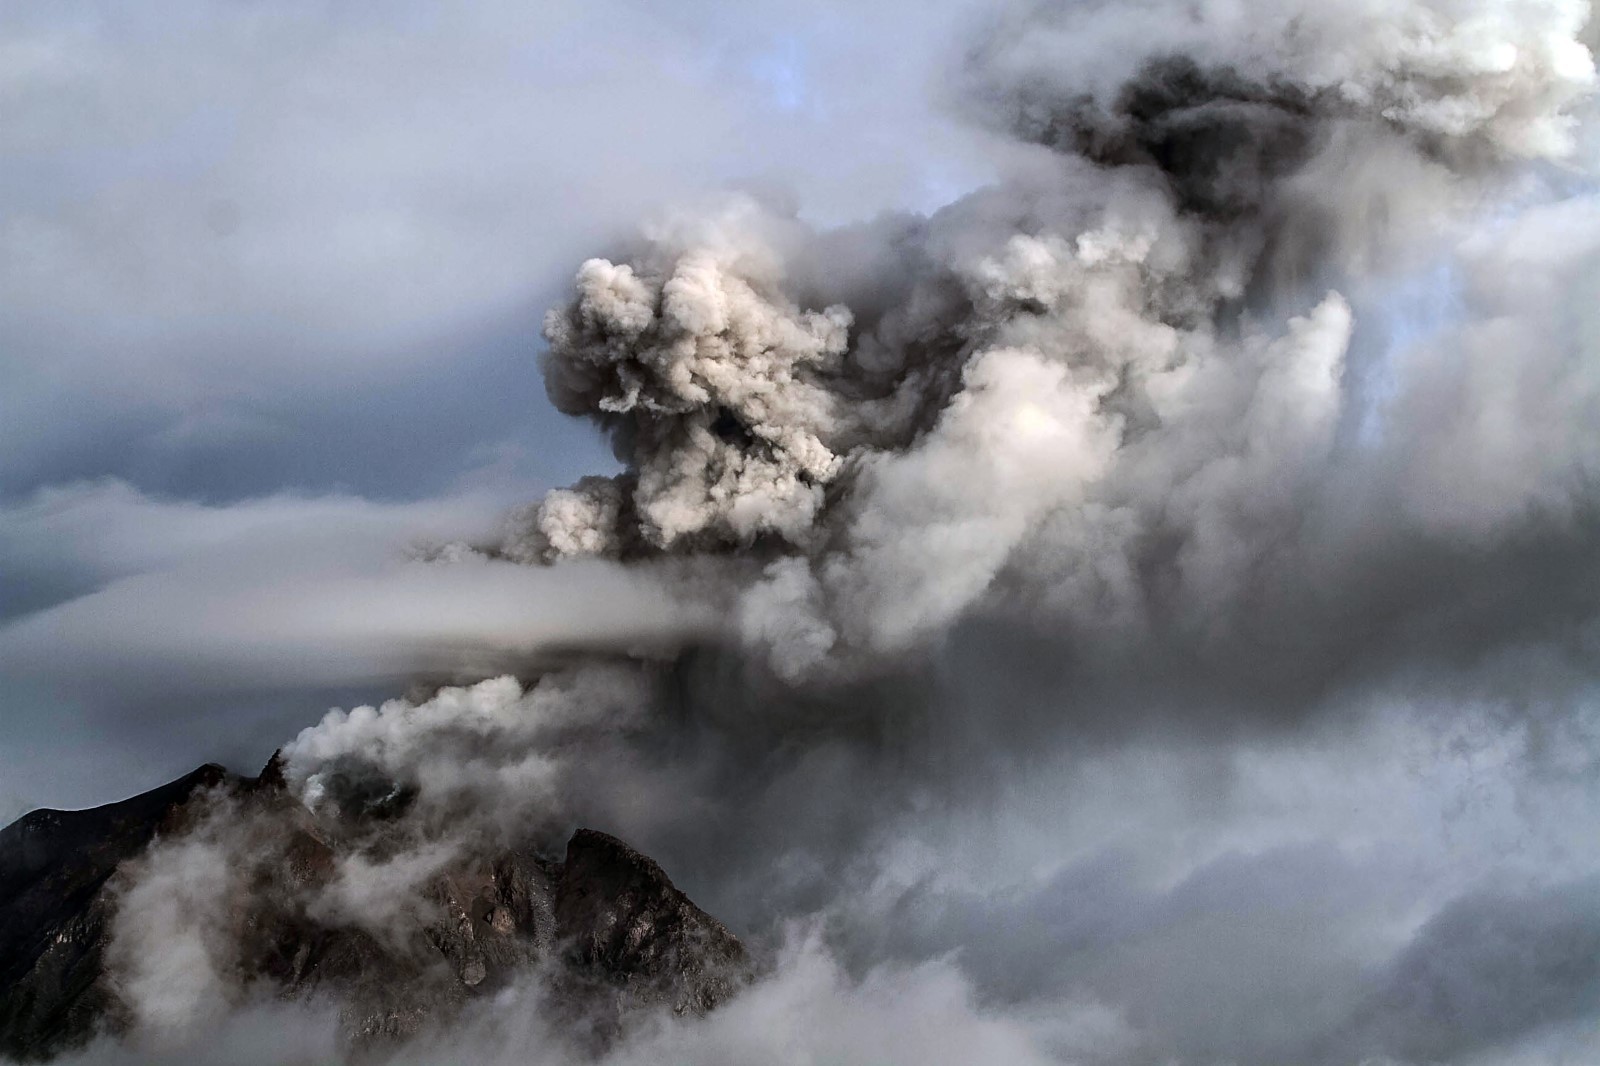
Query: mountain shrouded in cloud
point(1144, 611)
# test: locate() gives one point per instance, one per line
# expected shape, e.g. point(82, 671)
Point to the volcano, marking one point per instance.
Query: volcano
point(600, 928)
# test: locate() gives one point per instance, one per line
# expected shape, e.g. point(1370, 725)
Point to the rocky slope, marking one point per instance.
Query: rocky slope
point(602, 924)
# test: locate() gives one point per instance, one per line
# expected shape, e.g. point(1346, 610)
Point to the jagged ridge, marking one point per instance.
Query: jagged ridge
point(619, 933)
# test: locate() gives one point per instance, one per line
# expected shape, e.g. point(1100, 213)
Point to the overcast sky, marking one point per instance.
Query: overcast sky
point(271, 279)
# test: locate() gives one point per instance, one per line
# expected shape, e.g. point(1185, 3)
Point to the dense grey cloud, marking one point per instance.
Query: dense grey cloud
point(1490, 969)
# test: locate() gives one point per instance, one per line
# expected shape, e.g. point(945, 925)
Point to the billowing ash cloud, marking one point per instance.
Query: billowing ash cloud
point(1125, 379)
point(1159, 589)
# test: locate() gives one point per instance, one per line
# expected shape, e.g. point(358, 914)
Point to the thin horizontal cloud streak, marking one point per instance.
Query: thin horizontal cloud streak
point(293, 589)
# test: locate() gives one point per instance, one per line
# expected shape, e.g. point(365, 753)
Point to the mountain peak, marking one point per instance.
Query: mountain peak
point(619, 933)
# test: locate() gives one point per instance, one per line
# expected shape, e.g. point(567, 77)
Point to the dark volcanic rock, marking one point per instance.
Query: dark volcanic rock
point(630, 927)
point(617, 932)
point(55, 909)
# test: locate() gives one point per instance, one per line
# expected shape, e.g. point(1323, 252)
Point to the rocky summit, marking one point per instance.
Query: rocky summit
point(601, 925)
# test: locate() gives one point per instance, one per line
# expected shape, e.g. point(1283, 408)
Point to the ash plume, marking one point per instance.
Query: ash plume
point(1144, 611)
point(1120, 379)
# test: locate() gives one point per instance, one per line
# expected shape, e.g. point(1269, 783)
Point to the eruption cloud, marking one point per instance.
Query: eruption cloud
point(1157, 593)
point(1122, 373)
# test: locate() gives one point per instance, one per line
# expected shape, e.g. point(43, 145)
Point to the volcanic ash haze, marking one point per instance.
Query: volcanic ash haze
point(1160, 590)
